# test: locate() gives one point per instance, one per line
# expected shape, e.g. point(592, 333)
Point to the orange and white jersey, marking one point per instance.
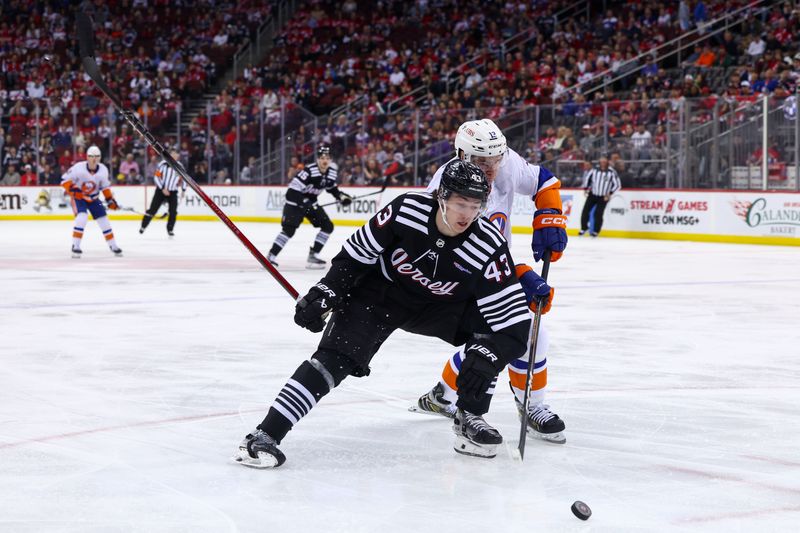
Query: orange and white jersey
point(515, 176)
point(90, 183)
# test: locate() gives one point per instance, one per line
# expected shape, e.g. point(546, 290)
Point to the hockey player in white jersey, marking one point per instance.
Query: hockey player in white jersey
point(83, 182)
point(481, 142)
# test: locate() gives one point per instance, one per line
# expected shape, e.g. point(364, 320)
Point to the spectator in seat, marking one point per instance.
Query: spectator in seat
point(28, 177)
point(128, 166)
point(11, 177)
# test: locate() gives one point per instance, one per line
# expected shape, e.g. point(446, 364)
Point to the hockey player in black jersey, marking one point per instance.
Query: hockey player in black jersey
point(428, 264)
point(301, 202)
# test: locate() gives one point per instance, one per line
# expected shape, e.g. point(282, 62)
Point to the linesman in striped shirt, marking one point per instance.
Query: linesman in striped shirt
point(167, 183)
point(599, 183)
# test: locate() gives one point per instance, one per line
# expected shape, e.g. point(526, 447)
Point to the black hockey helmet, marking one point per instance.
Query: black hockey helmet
point(324, 149)
point(464, 178)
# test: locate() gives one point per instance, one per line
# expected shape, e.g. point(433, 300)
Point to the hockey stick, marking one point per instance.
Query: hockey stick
point(537, 317)
point(86, 44)
point(137, 212)
point(383, 188)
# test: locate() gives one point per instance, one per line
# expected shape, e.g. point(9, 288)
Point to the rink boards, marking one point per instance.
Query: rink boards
point(754, 217)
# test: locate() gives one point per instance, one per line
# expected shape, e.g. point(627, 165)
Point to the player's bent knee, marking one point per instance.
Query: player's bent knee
point(289, 230)
point(327, 227)
point(334, 366)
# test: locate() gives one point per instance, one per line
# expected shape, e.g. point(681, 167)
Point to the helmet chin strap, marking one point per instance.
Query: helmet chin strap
point(443, 211)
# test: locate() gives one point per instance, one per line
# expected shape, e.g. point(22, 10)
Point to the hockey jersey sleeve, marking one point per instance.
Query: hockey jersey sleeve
point(501, 300)
point(536, 182)
point(361, 250)
point(295, 193)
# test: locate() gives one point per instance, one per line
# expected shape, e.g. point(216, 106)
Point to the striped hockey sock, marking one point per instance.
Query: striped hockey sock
point(320, 241)
point(300, 394)
point(280, 242)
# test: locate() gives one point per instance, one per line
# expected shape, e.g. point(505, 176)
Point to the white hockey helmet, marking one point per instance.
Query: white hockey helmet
point(480, 138)
point(93, 151)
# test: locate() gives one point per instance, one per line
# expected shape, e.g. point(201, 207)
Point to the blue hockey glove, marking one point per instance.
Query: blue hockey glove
point(549, 233)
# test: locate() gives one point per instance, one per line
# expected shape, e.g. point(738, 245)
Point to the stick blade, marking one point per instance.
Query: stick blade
point(85, 34)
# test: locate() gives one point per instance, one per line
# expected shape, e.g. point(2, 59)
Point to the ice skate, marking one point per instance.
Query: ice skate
point(170, 234)
point(141, 230)
point(314, 262)
point(543, 423)
point(259, 450)
point(117, 252)
point(474, 436)
point(273, 259)
point(433, 403)
point(76, 252)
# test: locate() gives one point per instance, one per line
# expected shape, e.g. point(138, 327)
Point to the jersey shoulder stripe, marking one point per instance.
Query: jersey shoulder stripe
point(491, 231)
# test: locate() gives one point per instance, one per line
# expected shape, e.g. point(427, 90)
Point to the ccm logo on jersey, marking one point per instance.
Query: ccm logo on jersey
point(484, 351)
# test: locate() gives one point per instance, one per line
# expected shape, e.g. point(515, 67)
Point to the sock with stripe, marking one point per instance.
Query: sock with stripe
point(310, 382)
point(518, 369)
point(280, 242)
point(108, 234)
point(320, 241)
point(77, 229)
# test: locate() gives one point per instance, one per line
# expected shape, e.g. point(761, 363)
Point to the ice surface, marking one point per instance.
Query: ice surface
point(127, 383)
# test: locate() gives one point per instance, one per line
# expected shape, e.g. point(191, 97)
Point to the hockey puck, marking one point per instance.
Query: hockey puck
point(581, 510)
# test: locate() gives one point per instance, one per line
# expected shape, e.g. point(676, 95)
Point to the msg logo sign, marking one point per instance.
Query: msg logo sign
point(9, 202)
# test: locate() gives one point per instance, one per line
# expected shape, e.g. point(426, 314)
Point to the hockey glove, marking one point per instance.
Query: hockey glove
point(537, 291)
point(313, 308)
point(549, 233)
point(345, 199)
point(479, 368)
point(112, 204)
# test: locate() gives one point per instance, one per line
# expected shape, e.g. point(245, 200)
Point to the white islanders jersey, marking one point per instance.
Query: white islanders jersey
point(515, 175)
point(89, 183)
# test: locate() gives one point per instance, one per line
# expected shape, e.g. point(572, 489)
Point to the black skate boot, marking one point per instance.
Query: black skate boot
point(314, 262)
point(433, 403)
point(259, 450)
point(543, 423)
point(474, 436)
point(76, 252)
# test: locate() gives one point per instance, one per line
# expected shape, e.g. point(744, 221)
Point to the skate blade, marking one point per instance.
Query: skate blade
point(466, 447)
point(76, 256)
point(314, 266)
point(264, 460)
point(552, 438)
point(416, 409)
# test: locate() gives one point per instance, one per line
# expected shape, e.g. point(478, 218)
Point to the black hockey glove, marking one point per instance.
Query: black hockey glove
point(479, 368)
point(313, 308)
point(345, 199)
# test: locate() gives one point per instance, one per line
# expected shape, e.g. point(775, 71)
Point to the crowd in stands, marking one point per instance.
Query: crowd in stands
point(369, 56)
point(154, 53)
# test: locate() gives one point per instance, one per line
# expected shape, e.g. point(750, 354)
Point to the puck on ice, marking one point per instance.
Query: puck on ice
point(581, 510)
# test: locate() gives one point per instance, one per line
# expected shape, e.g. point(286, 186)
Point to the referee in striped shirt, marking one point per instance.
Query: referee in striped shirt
point(167, 182)
point(599, 184)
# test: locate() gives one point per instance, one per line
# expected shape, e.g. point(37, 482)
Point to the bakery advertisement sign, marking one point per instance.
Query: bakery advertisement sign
point(779, 215)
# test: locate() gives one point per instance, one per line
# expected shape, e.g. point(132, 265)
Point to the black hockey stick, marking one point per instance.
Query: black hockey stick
point(537, 317)
point(86, 43)
point(383, 188)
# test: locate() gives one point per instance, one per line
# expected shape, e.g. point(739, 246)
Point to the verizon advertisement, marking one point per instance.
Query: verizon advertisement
point(757, 217)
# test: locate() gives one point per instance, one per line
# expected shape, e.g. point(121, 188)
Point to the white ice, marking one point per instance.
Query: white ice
point(127, 383)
